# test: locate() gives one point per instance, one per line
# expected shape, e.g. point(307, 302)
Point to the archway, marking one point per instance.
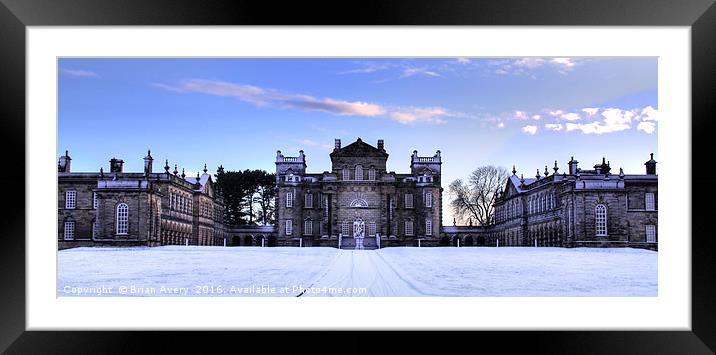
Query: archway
point(235, 241)
point(248, 241)
point(271, 241)
point(455, 241)
point(444, 241)
point(480, 241)
point(469, 241)
point(258, 240)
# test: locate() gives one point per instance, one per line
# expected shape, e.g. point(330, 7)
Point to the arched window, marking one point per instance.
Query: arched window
point(308, 227)
point(359, 172)
point(371, 174)
point(122, 218)
point(346, 174)
point(601, 220)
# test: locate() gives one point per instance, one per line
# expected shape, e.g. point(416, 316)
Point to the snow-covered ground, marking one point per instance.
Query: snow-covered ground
point(255, 271)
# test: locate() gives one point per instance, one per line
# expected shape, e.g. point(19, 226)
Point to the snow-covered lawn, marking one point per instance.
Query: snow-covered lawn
point(255, 271)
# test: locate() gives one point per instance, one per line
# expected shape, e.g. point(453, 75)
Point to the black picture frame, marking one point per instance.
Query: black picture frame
point(16, 15)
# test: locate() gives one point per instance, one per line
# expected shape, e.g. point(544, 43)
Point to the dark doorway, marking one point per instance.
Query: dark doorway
point(444, 241)
point(271, 241)
point(468, 241)
point(455, 240)
point(258, 240)
point(481, 241)
point(235, 241)
point(248, 241)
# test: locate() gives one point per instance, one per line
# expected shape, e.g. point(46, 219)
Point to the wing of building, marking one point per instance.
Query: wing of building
point(120, 208)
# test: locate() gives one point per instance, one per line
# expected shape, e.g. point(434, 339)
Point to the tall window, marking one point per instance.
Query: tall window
point(650, 233)
point(95, 202)
point(344, 228)
point(325, 206)
point(428, 199)
point(408, 227)
point(650, 201)
point(428, 227)
point(122, 218)
point(94, 229)
point(346, 174)
point(308, 227)
point(308, 200)
point(408, 200)
point(601, 220)
point(359, 172)
point(70, 198)
point(289, 227)
point(69, 230)
point(371, 174)
point(289, 199)
point(371, 228)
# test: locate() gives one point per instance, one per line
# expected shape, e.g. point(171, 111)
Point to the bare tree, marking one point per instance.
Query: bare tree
point(475, 198)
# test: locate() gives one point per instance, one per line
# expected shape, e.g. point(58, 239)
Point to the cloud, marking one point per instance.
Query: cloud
point(263, 97)
point(521, 115)
point(570, 116)
point(536, 117)
point(615, 120)
point(531, 130)
point(80, 73)
point(412, 71)
point(421, 114)
point(554, 126)
point(501, 125)
point(649, 114)
point(368, 67)
point(463, 60)
point(646, 126)
point(526, 66)
point(590, 111)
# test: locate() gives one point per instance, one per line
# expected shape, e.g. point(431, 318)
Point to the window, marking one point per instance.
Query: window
point(601, 220)
point(408, 227)
point(325, 206)
point(95, 202)
point(308, 227)
point(289, 199)
point(289, 227)
point(650, 233)
point(70, 198)
point(371, 174)
point(94, 229)
point(359, 172)
point(69, 230)
point(429, 199)
point(428, 227)
point(346, 174)
point(122, 218)
point(408, 200)
point(649, 197)
point(371, 228)
point(344, 228)
point(308, 200)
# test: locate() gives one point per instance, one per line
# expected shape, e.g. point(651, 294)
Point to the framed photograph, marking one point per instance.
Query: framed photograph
point(238, 177)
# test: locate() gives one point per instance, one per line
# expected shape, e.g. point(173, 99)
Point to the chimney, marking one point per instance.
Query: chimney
point(148, 160)
point(64, 164)
point(651, 166)
point(338, 144)
point(572, 166)
point(115, 165)
point(380, 145)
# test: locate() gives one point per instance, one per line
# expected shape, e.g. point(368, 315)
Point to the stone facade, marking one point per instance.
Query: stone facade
point(358, 201)
point(137, 209)
point(579, 208)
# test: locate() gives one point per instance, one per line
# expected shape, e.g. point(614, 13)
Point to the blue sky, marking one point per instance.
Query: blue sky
point(477, 111)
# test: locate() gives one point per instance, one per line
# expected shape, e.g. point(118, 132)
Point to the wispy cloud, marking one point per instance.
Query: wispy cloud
point(530, 129)
point(412, 71)
point(368, 67)
point(463, 60)
point(527, 66)
point(79, 72)
point(273, 98)
point(554, 126)
point(266, 97)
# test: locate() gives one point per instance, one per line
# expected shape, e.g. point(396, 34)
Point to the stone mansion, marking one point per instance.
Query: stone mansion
point(358, 204)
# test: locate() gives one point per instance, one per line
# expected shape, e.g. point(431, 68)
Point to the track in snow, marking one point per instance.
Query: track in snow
point(361, 273)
